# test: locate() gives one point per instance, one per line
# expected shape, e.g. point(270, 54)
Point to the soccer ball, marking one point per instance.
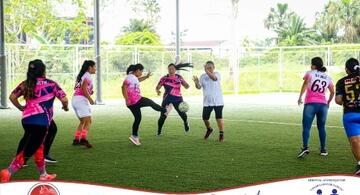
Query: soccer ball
point(183, 107)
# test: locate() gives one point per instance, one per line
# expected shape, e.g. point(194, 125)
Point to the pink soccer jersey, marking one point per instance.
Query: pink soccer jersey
point(172, 85)
point(77, 89)
point(39, 109)
point(318, 82)
point(133, 89)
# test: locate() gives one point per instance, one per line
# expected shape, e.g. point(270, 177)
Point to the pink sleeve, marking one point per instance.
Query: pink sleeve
point(126, 82)
point(87, 79)
point(59, 93)
point(307, 76)
point(19, 90)
point(162, 81)
point(183, 82)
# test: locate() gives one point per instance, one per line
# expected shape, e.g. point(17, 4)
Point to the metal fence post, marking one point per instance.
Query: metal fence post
point(3, 76)
point(281, 70)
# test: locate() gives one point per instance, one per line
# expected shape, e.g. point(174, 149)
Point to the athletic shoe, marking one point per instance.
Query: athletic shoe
point(24, 165)
point(186, 127)
point(5, 176)
point(47, 177)
point(357, 172)
point(303, 152)
point(221, 137)
point(323, 152)
point(135, 140)
point(85, 143)
point(208, 132)
point(168, 109)
point(76, 142)
point(48, 159)
point(159, 134)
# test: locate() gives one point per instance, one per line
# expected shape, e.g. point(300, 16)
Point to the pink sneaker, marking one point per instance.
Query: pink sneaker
point(5, 176)
point(47, 177)
point(135, 140)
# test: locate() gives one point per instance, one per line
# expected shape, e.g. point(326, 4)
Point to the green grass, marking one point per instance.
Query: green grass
point(252, 152)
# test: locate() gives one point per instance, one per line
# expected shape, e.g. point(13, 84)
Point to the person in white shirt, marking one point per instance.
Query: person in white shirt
point(213, 98)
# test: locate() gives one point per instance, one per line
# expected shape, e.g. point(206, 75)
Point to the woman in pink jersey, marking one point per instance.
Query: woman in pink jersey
point(315, 84)
point(39, 94)
point(172, 83)
point(133, 99)
point(81, 102)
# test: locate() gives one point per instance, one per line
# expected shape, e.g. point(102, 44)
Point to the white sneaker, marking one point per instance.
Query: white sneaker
point(135, 140)
point(168, 109)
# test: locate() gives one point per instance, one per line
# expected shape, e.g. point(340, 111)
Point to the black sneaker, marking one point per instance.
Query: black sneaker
point(159, 134)
point(85, 143)
point(303, 152)
point(221, 136)
point(76, 142)
point(186, 127)
point(357, 172)
point(208, 132)
point(323, 152)
point(48, 159)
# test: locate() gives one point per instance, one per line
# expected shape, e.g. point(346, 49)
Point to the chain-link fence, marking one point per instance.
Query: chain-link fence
point(254, 70)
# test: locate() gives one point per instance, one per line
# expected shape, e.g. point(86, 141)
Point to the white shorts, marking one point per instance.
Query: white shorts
point(81, 106)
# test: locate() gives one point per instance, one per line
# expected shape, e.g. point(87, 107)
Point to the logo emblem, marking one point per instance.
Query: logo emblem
point(44, 189)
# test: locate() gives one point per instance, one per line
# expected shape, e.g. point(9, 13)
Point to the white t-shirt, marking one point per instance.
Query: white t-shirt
point(211, 90)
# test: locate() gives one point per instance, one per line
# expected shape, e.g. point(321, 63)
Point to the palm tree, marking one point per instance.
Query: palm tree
point(295, 32)
point(327, 23)
point(349, 18)
point(278, 17)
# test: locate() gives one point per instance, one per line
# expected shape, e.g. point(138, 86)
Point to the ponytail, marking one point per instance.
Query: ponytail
point(322, 69)
point(181, 66)
point(134, 67)
point(319, 64)
point(353, 65)
point(84, 69)
point(36, 69)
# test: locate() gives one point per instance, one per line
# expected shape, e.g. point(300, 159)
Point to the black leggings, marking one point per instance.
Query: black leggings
point(163, 117)
point(52, 130)
point(136, 111)
point(33, 138)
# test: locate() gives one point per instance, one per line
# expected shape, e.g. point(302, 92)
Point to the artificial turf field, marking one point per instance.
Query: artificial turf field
point(262, 140)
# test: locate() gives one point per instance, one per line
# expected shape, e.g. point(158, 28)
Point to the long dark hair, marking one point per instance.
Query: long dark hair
point(319, 64)
point(84, 69)
point(181, 66)
point(134, 67)
point(352, 65)
point(36, 69)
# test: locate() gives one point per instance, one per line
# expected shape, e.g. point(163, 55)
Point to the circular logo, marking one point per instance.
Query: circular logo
point(43, 189)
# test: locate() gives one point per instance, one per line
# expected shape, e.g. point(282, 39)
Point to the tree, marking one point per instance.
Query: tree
point(278, 17)
point(349, 18)
point(294, 32)
point(36, 20)
point(139, 25)
point(139, 38)
point(150, 8)
point(339, 22)
point(290, 28)
point(327, 25)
